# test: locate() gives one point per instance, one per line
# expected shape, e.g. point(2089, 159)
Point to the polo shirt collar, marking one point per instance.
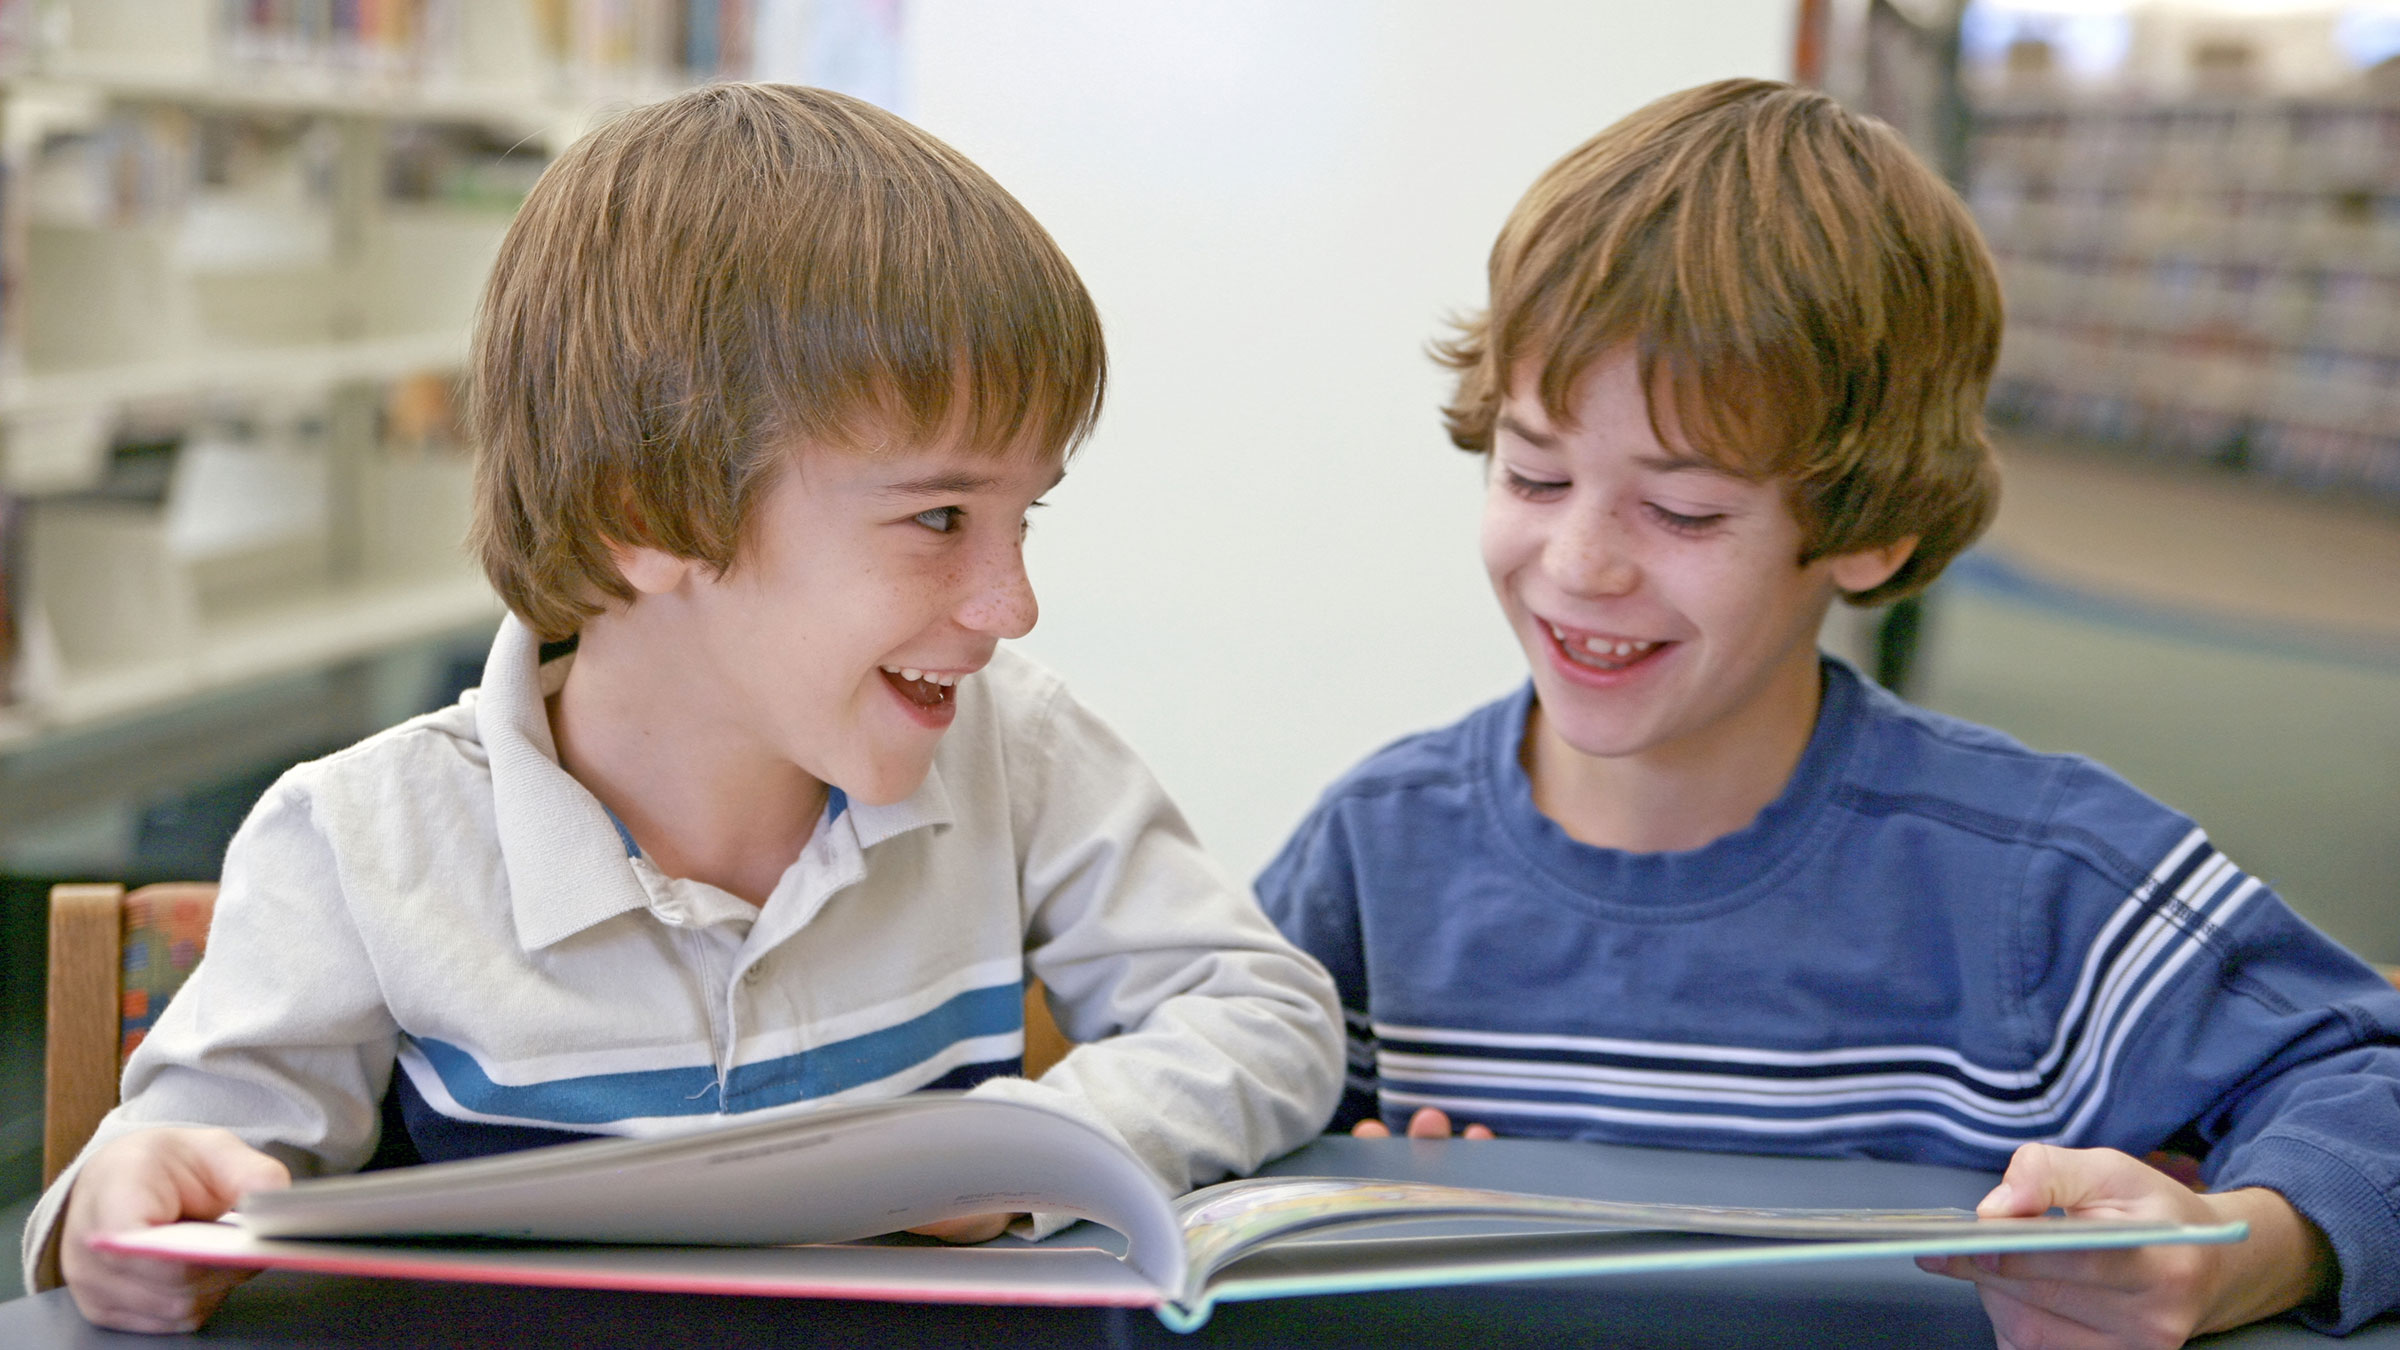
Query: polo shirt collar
point(566, 865)
point(564, 854)
point(928, 805)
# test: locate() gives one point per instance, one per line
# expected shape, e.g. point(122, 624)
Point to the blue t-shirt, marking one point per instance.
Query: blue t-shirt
point(1934, 946)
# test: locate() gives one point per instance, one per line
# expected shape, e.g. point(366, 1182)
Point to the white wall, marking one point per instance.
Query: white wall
point(1263, 565)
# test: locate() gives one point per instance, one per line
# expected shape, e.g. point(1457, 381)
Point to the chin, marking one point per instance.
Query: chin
point(1587, 732)
point(1603, 743)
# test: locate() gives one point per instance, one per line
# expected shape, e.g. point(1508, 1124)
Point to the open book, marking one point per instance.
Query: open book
point(783, 1205)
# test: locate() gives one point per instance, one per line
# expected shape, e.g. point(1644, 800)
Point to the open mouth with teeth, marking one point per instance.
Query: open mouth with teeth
point(924, 688)
point(1602, 652)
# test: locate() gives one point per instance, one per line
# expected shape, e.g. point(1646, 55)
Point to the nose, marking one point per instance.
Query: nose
point(999, 593)
point(1591, 553)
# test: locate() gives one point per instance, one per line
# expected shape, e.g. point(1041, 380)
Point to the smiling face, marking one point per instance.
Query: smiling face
point(1660, 600)
point(868, 586)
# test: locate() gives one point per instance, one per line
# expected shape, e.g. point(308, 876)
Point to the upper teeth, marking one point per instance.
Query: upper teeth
point(1600, 646)
point(929, 676)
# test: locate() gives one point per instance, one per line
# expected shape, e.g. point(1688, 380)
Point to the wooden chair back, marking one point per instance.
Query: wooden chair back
point(115, 960)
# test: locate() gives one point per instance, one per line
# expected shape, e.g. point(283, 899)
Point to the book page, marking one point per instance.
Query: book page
point(1225, 1222)
point(814, 1177)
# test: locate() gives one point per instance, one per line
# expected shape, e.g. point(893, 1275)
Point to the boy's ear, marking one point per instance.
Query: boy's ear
point(648, 570)
point(1869, 568)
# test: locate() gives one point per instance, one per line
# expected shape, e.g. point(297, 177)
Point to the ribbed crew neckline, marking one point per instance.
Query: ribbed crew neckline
point(1691, 884)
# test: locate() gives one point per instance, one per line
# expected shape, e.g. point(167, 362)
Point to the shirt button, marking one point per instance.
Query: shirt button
point(750, 976)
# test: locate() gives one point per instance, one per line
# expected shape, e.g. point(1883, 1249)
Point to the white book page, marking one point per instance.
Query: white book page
point(824, 1176)
point(1223, 1223)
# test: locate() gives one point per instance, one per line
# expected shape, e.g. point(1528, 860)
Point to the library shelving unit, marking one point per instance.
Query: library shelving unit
point(2212, 275)
point(240, 246)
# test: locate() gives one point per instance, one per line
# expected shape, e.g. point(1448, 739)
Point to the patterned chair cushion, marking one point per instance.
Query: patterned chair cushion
point(164, 936)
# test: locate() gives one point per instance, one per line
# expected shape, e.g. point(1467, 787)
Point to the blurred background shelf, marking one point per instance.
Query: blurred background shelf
point(299, 366)
point(292, 634)
point(240, 247)
point(2196, 212)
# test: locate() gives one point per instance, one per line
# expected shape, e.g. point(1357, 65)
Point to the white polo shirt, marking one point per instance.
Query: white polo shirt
point(444, 899)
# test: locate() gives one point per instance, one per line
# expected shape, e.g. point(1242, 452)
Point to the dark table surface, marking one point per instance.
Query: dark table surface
point(1845, 1303)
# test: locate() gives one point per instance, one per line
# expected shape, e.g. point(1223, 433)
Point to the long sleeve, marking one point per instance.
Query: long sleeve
point(280, 1035)
point(2277, 1054)
point(1207, 1042)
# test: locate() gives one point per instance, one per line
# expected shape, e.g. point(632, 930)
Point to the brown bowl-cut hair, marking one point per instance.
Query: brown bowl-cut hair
point(1807, 301)
point(706, 285)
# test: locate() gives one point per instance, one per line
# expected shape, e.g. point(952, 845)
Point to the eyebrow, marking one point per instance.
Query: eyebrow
point(936, 485)
point(952, 484)
point(1540, 440)
point(1666, 462)
point(1674, 463)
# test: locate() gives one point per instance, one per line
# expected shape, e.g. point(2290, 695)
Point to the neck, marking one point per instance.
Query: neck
point(704, 799)
point(1686, 794)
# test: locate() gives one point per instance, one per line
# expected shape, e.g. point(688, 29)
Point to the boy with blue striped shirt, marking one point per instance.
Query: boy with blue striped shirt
point(1697, 885)
point(751, 810)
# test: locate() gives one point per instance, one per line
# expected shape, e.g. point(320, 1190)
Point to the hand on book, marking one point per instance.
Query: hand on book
point(1428, 1123)
point(2136, 1296)
point(141, 1180)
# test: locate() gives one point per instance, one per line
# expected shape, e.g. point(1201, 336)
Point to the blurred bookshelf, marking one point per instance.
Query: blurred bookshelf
point(2214, 277)
point(2198, 235)
point(240, 247)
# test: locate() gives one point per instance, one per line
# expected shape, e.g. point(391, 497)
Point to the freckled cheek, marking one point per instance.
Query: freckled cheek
point(1507, 539)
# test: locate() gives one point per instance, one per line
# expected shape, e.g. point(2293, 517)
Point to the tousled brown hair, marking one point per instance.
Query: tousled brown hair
point(706, 283)
point(1806, 299)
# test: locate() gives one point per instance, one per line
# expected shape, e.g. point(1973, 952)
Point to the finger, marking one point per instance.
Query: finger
point(146, 1294)
point(2067, 1317)
point(1370, 1129)
point(2024, 1189)
point(2153, 1272)
point(2096, 1181)
point(214, 1169)
point(2152, 1291)
point(137, 1182)
point(1476, 1132)
point(2021, 1324)
point(1429, 1123)
point(143, 1181)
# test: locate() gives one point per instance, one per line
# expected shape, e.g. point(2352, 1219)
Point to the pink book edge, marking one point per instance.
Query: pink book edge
point(453, 1265)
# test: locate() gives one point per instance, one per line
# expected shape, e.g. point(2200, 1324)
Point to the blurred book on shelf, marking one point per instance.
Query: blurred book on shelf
point(2196, 215)
point(413, 38)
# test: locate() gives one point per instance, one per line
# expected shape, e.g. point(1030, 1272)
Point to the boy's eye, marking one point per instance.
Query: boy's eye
point(1533, 488)
point(941, 519)
point(1681, 523)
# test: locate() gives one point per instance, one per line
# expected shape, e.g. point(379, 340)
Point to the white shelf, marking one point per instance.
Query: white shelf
point(303, 633)
point(269, 88)
point(300, 366)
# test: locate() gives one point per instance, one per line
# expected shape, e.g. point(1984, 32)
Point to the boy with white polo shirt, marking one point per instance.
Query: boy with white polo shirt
point(750, 809)
point(1696, 885)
